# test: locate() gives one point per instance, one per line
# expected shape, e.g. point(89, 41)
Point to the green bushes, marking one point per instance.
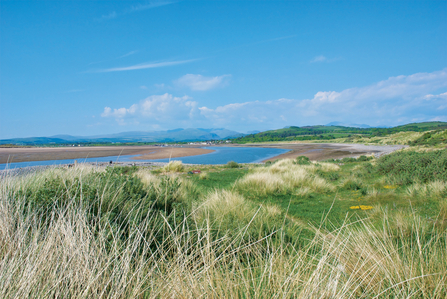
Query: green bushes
point(407, 167)
point(232, 164)
point(302, 160)
point(112, 196)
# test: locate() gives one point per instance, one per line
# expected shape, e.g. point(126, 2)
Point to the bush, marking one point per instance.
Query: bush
point(232, 164)
point(409, 167)
point(348, 160)
point(364, 158)
point(302, 160)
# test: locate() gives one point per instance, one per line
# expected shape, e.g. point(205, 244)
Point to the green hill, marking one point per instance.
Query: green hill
point(310, 133)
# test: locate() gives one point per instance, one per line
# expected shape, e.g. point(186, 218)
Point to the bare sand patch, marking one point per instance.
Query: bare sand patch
point(173, 152)
point(61, 153)
point(323, 151)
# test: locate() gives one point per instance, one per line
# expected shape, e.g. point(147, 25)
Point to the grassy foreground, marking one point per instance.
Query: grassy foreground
point(363, 228)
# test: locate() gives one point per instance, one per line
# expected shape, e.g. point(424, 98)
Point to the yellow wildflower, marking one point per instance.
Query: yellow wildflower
point(361, 207)
point(390, 187)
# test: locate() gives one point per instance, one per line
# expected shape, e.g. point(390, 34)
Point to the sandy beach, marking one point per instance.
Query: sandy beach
point(315, 151)
point(323, 151)
point(9, 155)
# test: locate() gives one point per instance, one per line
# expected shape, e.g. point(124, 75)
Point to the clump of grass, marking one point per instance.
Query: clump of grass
point(434, 189)
point(352, 184)
point(232, 164)
point(174, 166)
point(285, 176)
point(203, 176)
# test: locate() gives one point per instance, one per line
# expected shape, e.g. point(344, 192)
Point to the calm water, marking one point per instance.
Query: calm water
point(222, 155)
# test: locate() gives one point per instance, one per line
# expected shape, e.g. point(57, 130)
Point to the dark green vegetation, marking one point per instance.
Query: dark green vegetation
point(334, 132)
point(286, 229)
point(382, 185)
point(431, 138)
point(405, 168)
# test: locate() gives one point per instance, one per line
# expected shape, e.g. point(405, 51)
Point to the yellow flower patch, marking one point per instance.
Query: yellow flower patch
point(361, 207)
point(390, 187)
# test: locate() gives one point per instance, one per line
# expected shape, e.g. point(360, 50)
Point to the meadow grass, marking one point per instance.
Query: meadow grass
point(278, 231)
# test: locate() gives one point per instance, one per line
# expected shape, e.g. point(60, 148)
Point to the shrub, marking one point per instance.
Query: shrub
point(352, 184)
point(363, 158)
point(407, 167)
point(232, 164)
point(348, 160)
point(302, 160)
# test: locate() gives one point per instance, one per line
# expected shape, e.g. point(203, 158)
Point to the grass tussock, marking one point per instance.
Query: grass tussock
point(174, 166)
point(435, 189)
point(127, 233)
point(286, 177)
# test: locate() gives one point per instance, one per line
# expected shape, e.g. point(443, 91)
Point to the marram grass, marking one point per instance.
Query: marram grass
point(68, 252)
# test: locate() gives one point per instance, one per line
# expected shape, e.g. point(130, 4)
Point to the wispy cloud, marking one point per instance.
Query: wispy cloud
point(109, 16)
point(319, 58)
point(322, 58)
point(128, 54)
point(135, 8)
point(140, 7)
point(144, 66)
point(199, 82)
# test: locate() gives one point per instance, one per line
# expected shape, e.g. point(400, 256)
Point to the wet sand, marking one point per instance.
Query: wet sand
point(323, 151)
point(315, 151)
point(61, 153)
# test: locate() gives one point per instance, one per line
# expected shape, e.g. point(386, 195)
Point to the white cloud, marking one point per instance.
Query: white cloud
point(145, 66)
point(319, 58)
point(392, 101)
point(199, 82)
point(397, 100)
point(157, 109)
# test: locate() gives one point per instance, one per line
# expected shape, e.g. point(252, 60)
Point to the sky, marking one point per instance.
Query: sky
point(99, 67)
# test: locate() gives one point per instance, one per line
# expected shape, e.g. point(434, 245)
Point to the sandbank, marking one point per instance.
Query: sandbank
point(10, 155)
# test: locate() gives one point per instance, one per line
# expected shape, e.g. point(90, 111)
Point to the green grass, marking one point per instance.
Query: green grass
point(221, 179)
point(262, 231)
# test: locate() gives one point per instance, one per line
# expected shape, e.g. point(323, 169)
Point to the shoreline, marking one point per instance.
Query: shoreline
point(17, 155)
point(315, 151)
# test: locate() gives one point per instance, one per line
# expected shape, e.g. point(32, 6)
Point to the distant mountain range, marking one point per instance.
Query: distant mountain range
point(341, 124)
point(135, 136)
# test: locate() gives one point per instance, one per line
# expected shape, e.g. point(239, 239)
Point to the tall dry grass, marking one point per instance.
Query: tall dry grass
point(285, 176)
point(66, 256)
point(436, 188)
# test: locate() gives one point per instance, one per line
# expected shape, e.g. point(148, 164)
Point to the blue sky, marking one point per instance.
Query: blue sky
point(98, 67)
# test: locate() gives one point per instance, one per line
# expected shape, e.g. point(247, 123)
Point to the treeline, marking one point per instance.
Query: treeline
point(333, 132)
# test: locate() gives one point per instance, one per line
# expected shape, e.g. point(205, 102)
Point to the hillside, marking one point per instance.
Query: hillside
point(328, 133)
point(177, 135)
